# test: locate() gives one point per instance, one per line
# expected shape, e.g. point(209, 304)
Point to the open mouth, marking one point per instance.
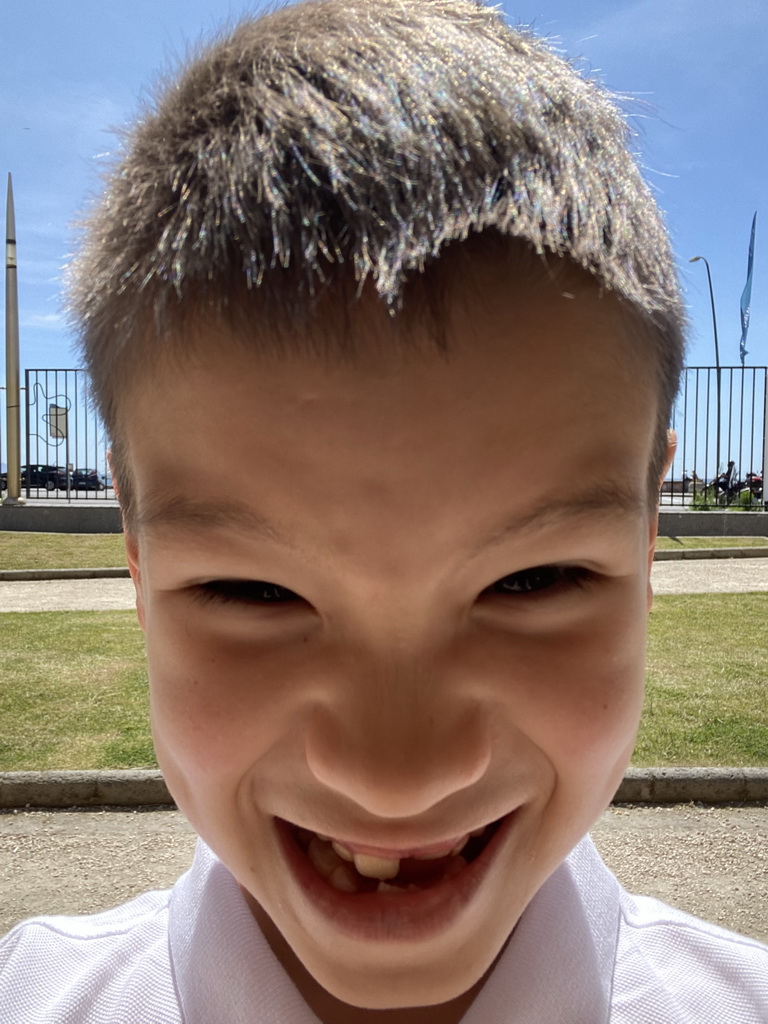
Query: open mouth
point(348, 870)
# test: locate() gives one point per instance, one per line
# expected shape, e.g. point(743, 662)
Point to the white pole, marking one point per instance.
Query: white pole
point(12, 388)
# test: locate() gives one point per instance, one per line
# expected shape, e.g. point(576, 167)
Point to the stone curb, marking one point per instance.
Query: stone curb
point(132, 788)
point(673, 555)
point(6, 575)
point(685, 785)
point(146, 788)
point(63, 574)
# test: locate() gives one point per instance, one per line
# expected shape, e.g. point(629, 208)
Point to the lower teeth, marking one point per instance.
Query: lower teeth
point(387, 887)
point(343, 879)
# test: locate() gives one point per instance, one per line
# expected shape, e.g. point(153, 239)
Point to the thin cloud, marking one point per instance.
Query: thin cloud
point(43, 321)
point(681, 25)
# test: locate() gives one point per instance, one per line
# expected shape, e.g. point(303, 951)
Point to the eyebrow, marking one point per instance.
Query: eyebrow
point(609, 499)
point(194, 514)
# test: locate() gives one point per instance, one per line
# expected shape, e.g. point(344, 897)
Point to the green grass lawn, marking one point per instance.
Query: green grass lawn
point(60, 550)
point(74, 691)
point(707, 681)
point(74, 694)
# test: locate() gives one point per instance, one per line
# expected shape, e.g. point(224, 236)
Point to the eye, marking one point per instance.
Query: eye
point(245, 592)
point(539, 578)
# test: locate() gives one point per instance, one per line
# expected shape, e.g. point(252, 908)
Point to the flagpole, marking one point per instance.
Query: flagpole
point(746, 295)
point(705, 261)
point(12, 388)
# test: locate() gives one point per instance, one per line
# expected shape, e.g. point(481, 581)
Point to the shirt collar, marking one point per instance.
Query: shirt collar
point(223, 966)
point(557, 966)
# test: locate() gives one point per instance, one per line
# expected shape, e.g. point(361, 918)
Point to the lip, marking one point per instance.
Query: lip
point(391, 917)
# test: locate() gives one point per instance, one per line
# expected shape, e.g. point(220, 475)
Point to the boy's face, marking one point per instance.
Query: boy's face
point(391, 603)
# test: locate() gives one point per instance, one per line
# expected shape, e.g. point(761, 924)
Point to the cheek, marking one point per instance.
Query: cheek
point(577, 695)
point(218, 705)
point(596, 681)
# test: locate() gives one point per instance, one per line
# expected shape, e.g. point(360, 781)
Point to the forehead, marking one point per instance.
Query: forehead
point(497, 333)
point(474, 300)
point(470, 307)
point(541, 381)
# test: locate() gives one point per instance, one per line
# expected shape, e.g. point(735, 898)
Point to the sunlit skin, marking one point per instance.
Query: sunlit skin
point(420, 675)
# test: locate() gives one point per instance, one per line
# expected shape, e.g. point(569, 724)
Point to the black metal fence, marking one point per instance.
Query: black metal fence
point(64, 444)
point(3, 450)
point(721, 420)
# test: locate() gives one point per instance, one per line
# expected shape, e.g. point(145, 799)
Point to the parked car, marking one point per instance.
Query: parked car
point(49, 477)
point(88, 480)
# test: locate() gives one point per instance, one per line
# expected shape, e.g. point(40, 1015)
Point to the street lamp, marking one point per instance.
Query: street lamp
point(705, 261)
point(12, 400)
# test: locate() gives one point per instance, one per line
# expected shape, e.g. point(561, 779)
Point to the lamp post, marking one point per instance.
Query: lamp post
point(12, 393)
point(705, 261)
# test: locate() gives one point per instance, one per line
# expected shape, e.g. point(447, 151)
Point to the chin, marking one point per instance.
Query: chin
point(383, 989)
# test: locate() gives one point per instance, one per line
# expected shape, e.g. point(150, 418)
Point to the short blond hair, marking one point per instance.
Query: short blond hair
point(339, 141)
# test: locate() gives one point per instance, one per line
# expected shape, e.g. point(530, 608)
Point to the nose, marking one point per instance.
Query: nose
point(397, 747)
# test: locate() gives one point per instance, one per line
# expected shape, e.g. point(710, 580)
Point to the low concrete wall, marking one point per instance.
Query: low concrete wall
point(682, 523)
point(64, 518)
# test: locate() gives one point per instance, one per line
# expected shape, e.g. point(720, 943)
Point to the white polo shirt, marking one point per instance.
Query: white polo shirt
point(584, 952)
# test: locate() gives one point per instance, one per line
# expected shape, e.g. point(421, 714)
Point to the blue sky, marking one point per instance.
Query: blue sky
point(694, 74)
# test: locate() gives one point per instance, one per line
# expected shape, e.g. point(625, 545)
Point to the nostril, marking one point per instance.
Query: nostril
point(395, 773)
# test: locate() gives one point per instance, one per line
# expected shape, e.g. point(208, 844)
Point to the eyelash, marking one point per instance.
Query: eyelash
point(260, 592)
point(540, 578)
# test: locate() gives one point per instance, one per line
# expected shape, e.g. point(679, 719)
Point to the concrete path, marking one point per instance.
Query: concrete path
point(708, 576)
point(712, 862)
point(66, 595)
point(733, 575)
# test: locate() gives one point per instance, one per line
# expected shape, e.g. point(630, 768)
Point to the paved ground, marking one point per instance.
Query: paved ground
point(66, 595)
point(709, 575)
point(682, 577)
point(709, 861)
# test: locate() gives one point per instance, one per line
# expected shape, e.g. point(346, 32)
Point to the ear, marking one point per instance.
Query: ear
point(653, 526)
point(132, 551)
point(115, 482)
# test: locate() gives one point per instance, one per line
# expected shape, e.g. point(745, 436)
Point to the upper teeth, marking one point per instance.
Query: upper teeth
point(342, 851)
point(376, 867)
point(461, 844)
point(384, 868)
